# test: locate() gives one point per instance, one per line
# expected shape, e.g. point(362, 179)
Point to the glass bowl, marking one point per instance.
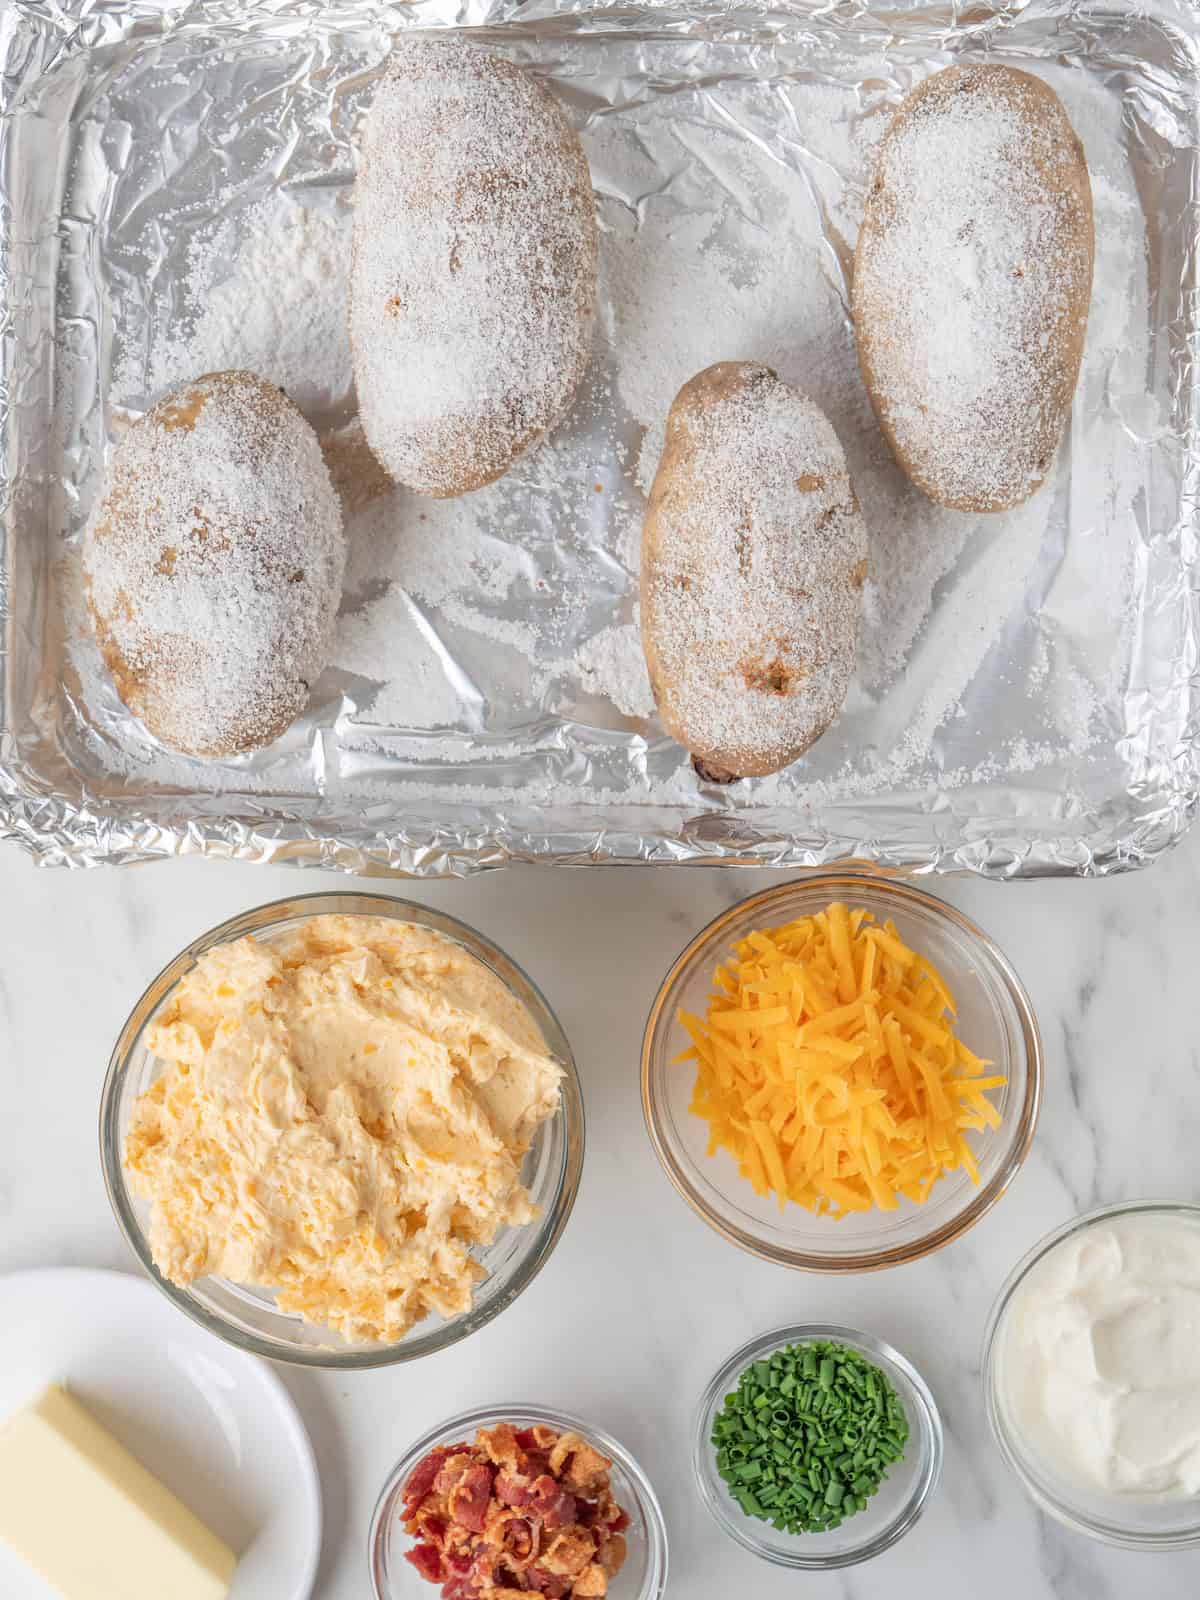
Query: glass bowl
point(891, 1511)
point(995, 1019)
point(1131, 1521)
point(247, 1316)
point(644, 1575)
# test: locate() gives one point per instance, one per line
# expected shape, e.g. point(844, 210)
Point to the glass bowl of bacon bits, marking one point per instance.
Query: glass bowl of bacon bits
point(518, 1500)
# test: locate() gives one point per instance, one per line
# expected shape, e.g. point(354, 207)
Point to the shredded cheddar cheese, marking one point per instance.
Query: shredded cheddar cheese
point(829, 1068)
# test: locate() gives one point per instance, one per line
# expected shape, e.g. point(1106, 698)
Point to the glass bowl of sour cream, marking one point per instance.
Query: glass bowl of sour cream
point(1091, 1372)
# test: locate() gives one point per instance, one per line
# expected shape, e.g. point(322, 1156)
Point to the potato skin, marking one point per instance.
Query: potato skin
point(213, 565)
point(753, 559)
point(972, 280)
point(473, 275)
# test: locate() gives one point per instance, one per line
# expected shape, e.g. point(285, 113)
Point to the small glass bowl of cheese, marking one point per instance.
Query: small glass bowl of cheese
point(994, 1020)
point(247, 1314)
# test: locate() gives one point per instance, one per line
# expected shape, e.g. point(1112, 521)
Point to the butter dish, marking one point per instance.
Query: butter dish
point(172, 1418)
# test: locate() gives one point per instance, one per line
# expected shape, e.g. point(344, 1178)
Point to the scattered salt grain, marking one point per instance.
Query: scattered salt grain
point(613, 663)
point(266, 293)
point(411, 682)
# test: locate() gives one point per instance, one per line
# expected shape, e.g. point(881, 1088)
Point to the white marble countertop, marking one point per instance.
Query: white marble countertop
point(641, 1301)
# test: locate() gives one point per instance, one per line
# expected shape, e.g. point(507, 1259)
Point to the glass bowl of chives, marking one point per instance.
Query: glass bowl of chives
point(817, 1446)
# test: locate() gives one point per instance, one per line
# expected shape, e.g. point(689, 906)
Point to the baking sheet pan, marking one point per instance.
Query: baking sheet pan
point(1025, 702)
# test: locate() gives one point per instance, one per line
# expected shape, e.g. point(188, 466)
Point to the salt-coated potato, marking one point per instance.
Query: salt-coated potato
point(972, 279)
point(213, 565)
point(753, 560)
point(473, 276)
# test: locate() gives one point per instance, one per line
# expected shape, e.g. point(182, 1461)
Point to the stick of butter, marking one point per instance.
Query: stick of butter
point(92, 1520)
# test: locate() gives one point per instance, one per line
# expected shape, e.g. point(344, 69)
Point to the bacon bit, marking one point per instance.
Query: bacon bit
point(562, 1452)
point(459, 1538)
point(592, 1581)
point(578, 1463)
point(493, 1576)
point(570, 1552)
point(427, 1559)
point(513, 1489)
point(483, 1568)
point(503, 1445)
point(554, 1505)
point(420, 1480)
point(470, 1497)
point(431, 1526)
point(606, 1507)
point(454, 1467)
point(546, 1583)
point(518, 1537)
point(612, 1552)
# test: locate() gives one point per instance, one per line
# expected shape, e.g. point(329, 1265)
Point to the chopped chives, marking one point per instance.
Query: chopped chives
point(814, 1428)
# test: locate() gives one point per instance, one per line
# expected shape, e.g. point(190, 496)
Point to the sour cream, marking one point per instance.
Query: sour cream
point(1099, 1360)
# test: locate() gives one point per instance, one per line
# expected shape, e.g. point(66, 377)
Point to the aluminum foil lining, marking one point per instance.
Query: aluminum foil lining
point(1026, 700)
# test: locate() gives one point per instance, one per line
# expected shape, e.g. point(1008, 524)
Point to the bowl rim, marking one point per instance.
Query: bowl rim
point(927, 1425)
point(1105, 1530)
point(468, 1421)
point(259, 920)
point(981, 1201)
